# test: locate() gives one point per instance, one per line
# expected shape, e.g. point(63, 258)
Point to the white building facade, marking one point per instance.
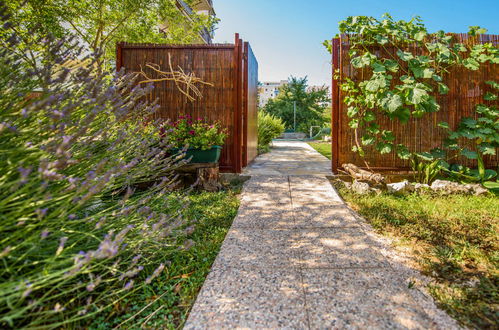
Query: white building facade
point(269, 90)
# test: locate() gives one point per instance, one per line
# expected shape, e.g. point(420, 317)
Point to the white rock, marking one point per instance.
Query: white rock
point(477, 189)
point(450, 187)
point(347, 185)
point(360, 188)
point(421, 186)
point(400, 187)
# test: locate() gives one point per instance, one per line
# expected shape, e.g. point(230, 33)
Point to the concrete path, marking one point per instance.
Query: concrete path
point(297, 258)
point(290, 158)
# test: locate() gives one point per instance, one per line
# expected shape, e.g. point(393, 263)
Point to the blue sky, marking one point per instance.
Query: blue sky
point(287, 35)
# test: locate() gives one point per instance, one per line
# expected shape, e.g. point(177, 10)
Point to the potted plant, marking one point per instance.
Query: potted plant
point(203, 140)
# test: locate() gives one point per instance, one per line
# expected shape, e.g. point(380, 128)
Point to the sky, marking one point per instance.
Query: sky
point(286, 35)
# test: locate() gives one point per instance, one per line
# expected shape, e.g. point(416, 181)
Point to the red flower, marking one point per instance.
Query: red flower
point(192, 132)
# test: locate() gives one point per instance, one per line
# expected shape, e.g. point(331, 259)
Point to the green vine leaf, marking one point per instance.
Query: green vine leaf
point(444, 125)
point(354, 123)
point(373, 128)
point(402, 114)
point(490, 97)
point(378, 67)
point(493, 84)
point(392, 65)
point(437, 78)
point(487, 149)
point(387, 136)
point(476, 30)
point(352, 111)
point(417, 94)
point(471, 63)
point(377, 82)
point(419, 36)
point(405, 56)
point(368, 140)
point(403, 152)
point(369, 116)
point(384, 148)
point(443, 89)
point(407, 80)
point(391, 102)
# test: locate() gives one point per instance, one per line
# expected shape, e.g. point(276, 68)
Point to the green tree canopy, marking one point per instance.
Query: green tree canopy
point(102, 23)
point(312, 105)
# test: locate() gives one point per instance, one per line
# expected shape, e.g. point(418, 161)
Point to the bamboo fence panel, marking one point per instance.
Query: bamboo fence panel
point(466, 91)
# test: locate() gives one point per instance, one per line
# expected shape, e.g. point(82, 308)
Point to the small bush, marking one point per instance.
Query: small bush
point(269, 128)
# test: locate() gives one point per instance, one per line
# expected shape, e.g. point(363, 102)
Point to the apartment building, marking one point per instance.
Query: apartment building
point(269, 90)
point(203, 7)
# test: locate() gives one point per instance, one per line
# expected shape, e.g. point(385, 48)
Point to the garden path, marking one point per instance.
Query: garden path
point(298, 257)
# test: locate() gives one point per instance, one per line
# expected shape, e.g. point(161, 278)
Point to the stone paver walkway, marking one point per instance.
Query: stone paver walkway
point(296, 257)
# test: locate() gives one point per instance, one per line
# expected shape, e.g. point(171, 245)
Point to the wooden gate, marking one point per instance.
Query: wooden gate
point(233, 71)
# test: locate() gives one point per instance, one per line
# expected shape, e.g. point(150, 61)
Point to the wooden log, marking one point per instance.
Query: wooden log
point(363, 175)
point(203, 176)
point(208, 179)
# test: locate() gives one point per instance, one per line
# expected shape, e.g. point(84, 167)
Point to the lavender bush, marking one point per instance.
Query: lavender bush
point(77, 234)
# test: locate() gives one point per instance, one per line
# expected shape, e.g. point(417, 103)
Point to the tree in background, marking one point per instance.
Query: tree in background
point(312, 105)
point(99, 24)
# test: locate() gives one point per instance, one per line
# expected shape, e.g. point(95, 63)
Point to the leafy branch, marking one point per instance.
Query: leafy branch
point(400, 84)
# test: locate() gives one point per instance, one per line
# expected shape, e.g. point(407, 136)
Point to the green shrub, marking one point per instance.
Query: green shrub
point(78, 236)
point(269, 128)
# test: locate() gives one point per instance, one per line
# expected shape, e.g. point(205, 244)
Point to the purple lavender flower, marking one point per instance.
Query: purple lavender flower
point(155, 274)
point(25, 172)
point(5, 252)
point(41, 212)
point(58, 308)
point(188, 244)
point(189, 230)
point(45, 233)
point(62, 241)
point(128, 285)
point(136, 259)
point(28, 290)
point(93, 284)
point(131, 273)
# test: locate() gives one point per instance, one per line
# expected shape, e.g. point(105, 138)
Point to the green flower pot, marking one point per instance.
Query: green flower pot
point(202, 156)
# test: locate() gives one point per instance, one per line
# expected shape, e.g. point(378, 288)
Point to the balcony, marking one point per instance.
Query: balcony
point(200, 7)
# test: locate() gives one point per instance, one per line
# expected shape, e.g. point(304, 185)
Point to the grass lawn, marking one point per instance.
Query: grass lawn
point(323, 148)
point(454, 240)
point(166, 302)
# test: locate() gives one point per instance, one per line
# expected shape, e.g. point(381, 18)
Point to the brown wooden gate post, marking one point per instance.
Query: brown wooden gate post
point(335, 108)
point(237, 158)
point(119, 56)
point(245, 105)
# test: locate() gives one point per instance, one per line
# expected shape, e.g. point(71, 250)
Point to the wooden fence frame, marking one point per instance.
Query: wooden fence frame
point(240, 155)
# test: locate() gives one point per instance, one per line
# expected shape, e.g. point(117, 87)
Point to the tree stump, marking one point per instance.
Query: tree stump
point(204, 176)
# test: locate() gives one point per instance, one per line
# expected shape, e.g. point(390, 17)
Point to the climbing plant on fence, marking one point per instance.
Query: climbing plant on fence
point(402, 84)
